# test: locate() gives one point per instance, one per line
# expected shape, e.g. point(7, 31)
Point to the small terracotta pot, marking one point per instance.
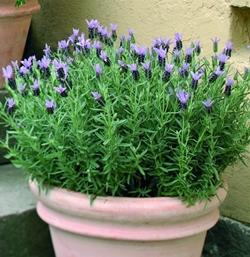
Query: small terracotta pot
point(14, 27)
point(125, 227)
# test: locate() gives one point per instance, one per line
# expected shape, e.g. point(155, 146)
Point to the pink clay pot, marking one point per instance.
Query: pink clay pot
point(125, 227)
point(14, 27)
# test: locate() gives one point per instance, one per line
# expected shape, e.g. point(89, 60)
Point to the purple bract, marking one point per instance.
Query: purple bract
point(183, 97)
point(8, 72)
point(98, 69)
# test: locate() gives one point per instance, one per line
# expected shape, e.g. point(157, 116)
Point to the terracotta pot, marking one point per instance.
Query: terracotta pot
point(125, 227)
point(14, 27)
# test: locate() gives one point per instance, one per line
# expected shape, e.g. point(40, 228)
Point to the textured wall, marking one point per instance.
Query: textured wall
point(149, 18)
point(196, 19)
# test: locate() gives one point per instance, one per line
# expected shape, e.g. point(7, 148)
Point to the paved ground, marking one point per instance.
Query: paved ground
point(22, 232)
point(15, 196)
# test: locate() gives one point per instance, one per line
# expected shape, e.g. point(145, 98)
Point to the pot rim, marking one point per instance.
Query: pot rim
point(142, 218)
point(123, 204)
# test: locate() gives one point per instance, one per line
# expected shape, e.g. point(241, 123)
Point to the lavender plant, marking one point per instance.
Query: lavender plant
point(112, 118)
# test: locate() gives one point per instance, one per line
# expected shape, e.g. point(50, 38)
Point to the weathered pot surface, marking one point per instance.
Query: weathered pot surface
point(14, 27)
point(125, 227)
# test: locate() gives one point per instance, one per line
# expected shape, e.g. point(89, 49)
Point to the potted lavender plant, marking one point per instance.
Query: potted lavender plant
point(125, 146)
point(14, 27)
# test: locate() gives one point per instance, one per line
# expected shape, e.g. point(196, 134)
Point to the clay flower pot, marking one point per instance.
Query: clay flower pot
point(125, 227)
point(14, 27)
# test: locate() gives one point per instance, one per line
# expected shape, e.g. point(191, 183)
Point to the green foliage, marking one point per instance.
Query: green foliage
point(20, 2)
point(135, 140)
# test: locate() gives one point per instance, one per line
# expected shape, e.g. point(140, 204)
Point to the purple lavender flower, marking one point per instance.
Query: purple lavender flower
point(228, 86)
point(168, 71)
point(166, 44)
point(146, 65)
point(61, 69)
point(47, 50)
point(215, 41)
point(131, 36)
point(131, 32)
point(23, 71)
point(184, 70)
point(62, 91)
point(104, 57)
point(161, 52)
point(178, 41)
point(10, 105)
point(176, 54)
point(133, 48)
point(228, 49)
point(44, 65)
point(161, 56)
point(222, 60)
point(113, 31)
point(113, 27)
point(141, 53)
point(81, 37)
point(50, 106)
point(63, 45)
point(119, 52)
point(98, 47)
point(195, 78)
point(99, 31)
point(8, 74)
point(75, 32)
point(97, 96)
point(98, 70)
point(208, 104)
point(218, 72)
point(104, 35)
point(169, 68)
point(134, 70)
point(27, 63)
point(123, 66)
point(133, 67)
point(147, 69)
point(22, 89)
point(92, 28)
point(36, 88)
point(157, 43)
point(85, 44)
point(109, 40)
point(188, 57)
point(183, 97)
point(122, 41)
point(73, 36)
point(197, 47)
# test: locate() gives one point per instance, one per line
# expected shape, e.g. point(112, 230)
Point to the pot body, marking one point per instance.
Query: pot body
point(125, 227)
point(14, 27)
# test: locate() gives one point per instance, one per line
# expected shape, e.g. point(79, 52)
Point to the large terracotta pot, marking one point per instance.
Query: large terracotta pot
point(125, 227)
point(14, 27)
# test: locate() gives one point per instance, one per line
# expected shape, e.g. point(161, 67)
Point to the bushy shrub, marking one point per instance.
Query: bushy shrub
point(113, 118)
